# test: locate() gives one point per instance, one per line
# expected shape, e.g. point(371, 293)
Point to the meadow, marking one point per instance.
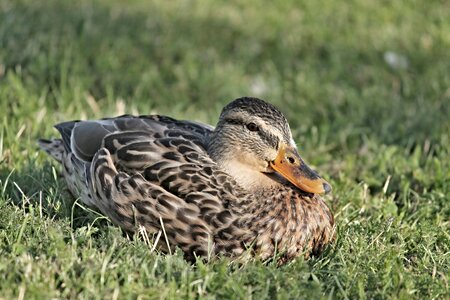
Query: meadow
point(365, 86)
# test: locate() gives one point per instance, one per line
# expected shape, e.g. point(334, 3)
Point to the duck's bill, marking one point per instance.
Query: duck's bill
point(291, 166)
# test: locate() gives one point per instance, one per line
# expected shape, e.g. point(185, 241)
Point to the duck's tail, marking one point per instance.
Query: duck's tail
point(54, 147)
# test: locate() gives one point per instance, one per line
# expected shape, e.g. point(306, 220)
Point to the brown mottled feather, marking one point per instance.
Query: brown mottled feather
point(153, 170)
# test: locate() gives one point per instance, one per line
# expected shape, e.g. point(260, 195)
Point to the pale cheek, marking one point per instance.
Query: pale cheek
point(251, 160)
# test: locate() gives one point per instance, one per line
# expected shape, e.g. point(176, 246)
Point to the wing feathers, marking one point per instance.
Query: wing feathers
point(151, 169)
point(85, 138)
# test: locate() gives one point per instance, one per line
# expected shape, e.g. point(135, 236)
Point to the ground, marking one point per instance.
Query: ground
point(364, 85)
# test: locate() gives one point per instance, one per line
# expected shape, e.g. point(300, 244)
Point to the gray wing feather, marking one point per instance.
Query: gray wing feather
point(85, 138)
point(65, 129)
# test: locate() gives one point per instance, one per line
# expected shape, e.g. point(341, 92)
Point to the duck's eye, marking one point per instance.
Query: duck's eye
point(252, 127)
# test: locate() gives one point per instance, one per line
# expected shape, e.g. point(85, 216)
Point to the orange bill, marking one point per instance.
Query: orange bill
point(291, 166)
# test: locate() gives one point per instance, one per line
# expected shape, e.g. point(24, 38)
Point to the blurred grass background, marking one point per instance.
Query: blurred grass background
point(365, 86)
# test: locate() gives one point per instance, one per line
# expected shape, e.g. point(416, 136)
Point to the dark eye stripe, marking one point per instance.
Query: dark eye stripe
point(270, 139)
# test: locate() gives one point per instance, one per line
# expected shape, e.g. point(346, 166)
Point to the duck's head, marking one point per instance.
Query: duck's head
point(253, 143)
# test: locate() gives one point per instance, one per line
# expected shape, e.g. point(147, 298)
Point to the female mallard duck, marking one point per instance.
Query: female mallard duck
point(223, 190)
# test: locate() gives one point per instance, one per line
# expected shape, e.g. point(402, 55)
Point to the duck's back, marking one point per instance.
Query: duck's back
point(150, 171)
point(85, 138)
point(127, 138)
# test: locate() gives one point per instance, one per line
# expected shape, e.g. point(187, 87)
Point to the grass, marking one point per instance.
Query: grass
point(378, 131)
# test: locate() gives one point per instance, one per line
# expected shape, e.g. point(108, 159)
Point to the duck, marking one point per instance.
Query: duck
point(238, 189)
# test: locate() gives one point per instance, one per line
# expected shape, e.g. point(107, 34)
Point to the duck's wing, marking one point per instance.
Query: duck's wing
point(85, 138)
point(180, 193)
point(155, 172)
